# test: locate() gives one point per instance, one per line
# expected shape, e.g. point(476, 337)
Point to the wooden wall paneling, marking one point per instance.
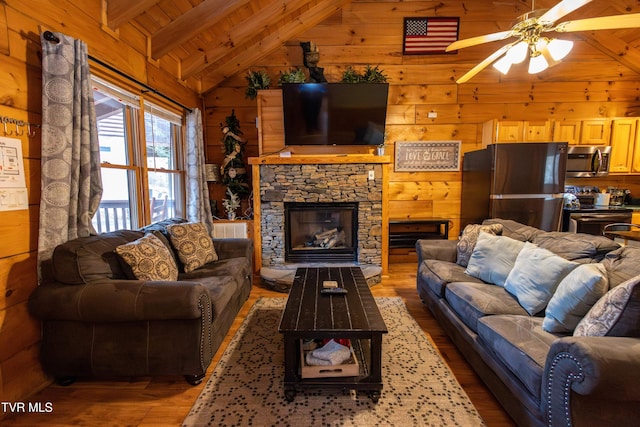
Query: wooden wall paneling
point(18, 278)
point(543, 91)
point(436, 132)
point(424, 190)
point(4, 31)
point(19, 330)
point(423, 94)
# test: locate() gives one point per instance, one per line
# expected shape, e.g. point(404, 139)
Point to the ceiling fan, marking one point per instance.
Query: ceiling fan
point(528, 33)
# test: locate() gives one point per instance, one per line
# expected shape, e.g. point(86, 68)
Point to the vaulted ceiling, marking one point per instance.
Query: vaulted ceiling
point(215, 39)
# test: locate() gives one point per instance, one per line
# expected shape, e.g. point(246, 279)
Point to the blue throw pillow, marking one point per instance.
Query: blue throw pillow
point(493, 257)
point(535, 276)
point(575, 296)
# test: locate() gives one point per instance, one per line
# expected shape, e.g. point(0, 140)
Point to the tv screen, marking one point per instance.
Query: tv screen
point(334, 113)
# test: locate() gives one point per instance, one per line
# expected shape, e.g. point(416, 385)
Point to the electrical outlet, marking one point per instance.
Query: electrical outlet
point(372, 175)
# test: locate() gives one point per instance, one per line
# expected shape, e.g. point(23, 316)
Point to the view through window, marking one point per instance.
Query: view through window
point(142, 172)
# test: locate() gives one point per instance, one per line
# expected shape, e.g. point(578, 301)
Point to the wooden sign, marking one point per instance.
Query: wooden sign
point(427, 156)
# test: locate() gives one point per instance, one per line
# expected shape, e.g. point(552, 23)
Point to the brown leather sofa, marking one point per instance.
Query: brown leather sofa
point(97, 321)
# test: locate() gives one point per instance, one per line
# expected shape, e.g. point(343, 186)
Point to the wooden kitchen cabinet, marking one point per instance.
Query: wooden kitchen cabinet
point(497, 131)
point(625, 150)
point(567, 131)
point(595, 132)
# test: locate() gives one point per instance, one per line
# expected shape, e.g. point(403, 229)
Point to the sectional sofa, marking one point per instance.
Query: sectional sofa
point(550, 321)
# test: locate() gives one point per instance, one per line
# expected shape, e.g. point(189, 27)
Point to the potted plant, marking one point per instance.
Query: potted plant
point(292, 76)
point(256, 80)
point(231, 204)
point(374, 75)
point(370, 75)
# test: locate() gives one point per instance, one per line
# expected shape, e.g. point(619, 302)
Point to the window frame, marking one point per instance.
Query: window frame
point(137, 167)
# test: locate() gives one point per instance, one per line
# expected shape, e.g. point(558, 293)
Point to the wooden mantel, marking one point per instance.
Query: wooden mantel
point(302, 159)
point(318, 159)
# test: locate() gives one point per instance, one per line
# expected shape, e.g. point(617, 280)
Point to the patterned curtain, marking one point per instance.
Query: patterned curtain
point(71, 184)
point(198, 207)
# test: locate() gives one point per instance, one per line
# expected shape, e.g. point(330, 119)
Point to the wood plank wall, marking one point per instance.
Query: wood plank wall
point(20, 98)
point(588, 84)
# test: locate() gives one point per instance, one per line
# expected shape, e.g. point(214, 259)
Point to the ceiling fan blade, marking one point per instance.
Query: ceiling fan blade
point(600, 23)
point(459, 44)
point(561, 9)
point(481, 66)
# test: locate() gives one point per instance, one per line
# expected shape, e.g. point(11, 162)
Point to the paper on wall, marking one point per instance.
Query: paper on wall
point(13, 187)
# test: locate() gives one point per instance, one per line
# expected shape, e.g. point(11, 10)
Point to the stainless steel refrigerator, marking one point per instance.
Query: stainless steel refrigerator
point(519, 181)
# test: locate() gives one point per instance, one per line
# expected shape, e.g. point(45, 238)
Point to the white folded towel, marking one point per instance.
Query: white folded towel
point(332, 353)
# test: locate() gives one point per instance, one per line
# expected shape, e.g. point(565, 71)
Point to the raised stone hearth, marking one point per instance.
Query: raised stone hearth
point(281, 278)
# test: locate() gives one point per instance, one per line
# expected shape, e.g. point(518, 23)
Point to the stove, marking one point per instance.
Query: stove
point(596, 219)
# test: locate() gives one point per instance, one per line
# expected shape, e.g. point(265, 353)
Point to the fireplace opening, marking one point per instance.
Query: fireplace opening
point(321, 232)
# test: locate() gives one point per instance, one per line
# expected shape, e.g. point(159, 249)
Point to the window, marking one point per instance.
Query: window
point(142, 171)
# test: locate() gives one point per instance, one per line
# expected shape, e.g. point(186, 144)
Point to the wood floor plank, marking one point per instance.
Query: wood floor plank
point(165, 401)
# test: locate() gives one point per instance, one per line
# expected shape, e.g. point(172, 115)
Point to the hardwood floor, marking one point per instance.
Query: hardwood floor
point(165, 401)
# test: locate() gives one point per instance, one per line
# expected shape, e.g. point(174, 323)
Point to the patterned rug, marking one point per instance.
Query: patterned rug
point(246, 385)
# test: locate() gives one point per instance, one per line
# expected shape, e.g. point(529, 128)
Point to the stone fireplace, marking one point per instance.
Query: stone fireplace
point(357, 185)
point(320, 232)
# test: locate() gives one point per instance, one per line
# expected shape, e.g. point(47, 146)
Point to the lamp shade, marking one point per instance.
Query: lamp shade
point(559, 48)
point(518, 52)
point(503, 64)
point(212, 172)
point(537, 63)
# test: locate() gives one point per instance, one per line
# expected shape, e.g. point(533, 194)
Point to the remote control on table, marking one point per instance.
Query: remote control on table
point(330, 284)
point(333, 291)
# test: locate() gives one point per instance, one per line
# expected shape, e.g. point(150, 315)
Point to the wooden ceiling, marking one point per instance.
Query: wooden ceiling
point(213, 40)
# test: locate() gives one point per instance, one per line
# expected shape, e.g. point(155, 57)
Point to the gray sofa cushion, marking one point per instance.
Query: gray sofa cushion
point(622, 265)
point(515, 230)
point(236, 268)
point(472, 301)
point(86, 259)
point(437, 274)
point(575, 246)
point(521, 344)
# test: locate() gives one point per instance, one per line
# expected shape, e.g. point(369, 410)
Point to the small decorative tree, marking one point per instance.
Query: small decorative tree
point(233, 170)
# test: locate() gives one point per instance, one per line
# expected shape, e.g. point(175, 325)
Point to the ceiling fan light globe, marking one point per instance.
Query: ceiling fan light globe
point(559, 48)
point(518, 52)
point(537, 64)
point(503, 64)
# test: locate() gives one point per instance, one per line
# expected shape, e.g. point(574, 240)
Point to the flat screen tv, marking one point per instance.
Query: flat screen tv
point(334, 113)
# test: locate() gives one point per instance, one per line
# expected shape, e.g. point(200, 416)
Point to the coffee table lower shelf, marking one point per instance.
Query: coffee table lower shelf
point(364, 381)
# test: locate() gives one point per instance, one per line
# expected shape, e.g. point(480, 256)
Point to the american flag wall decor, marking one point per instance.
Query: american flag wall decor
point(423, 36)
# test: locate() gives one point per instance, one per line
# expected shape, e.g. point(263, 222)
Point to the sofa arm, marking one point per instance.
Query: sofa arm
point(604, 367)
point(443, 250)
point(233, 248)
point(120, 301)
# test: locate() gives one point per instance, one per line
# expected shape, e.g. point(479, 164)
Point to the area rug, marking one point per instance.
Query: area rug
point(245, 387)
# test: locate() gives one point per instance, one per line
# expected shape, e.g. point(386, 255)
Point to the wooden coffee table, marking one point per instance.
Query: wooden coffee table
point(309, 314)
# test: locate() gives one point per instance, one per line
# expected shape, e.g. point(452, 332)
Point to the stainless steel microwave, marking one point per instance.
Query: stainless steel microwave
point(585, 161)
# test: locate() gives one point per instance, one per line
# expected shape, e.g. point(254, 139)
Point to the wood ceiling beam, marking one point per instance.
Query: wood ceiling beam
point(188, 25)
point(239, 35)
point(244, 57)
point(612, 46)
point(121, 11)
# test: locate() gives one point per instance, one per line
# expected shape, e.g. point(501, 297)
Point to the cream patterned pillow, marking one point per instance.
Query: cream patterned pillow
point(468, 240)
point(149, 259)
point(193, 244)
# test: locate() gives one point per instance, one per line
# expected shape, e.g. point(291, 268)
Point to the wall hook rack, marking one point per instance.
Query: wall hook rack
point(20, 126)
